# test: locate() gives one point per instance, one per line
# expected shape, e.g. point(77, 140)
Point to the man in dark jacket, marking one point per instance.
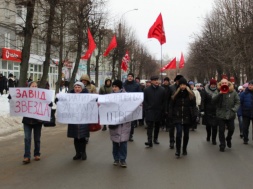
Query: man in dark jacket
point(168, 92)
point(171, 126)
point(209, 109)
point(227, 104)
point(246, 100)
point(131, 86)
point(154, 104)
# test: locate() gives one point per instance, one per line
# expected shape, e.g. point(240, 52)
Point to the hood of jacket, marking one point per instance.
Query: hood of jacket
point(85, 77)
point(230, 86)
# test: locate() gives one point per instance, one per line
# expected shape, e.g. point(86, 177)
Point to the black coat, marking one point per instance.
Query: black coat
point(78, 130)
point(168, 94)
point(31, 121)
point(181, 107)
point(131, 86)
point(154, 103)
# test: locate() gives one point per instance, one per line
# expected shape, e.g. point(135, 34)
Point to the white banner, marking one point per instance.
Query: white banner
point(31, 102)
point(117, 108)
point(77, 108)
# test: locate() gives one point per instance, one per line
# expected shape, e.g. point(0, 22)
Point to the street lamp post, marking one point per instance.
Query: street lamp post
point(120, 43)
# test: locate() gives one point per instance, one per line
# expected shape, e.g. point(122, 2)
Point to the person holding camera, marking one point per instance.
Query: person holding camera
point(227, 103)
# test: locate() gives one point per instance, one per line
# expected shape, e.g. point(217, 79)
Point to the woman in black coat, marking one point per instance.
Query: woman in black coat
point(182, 106)
point(79, 131)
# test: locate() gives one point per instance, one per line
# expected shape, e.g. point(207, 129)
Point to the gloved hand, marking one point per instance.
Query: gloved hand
point(51, 104)
point(9, 97)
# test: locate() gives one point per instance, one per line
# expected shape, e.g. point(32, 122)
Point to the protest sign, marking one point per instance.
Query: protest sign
point(117, 108)
point(31, 102)
point(77, 108)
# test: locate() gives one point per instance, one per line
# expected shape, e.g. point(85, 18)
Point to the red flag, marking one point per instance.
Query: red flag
point(112, 45)
point(181, 62)
point(171, 65)
point(157, 30)
point(92, 46)
point(125, 60)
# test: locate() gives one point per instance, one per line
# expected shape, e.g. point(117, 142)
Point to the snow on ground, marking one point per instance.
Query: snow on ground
point(8, 124)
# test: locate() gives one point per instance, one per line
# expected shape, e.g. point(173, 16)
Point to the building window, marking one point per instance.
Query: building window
point(10, 65)
point(4, 65)
point(7, 40)
point(7, 9)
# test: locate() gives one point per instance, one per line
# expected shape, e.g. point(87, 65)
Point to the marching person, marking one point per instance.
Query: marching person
point(227, 103)
point(79, 131)
point(106, 89)
point(183, 101)
point(35, 125)
point(246, 101)
point(198, 101)
point(130, 86)
point(119, 134)
point(173, 88)
point(85, 79)
point(209, 109)
point(154, 107)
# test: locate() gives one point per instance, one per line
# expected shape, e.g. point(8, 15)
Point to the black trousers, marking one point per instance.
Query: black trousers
point(246, 124)
point(211, 127)
point(222, 127)
point(80, 145)
point(153, 126)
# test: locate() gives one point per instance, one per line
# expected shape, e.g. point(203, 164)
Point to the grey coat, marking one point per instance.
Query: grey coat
point(120, 133)
point(226, 104)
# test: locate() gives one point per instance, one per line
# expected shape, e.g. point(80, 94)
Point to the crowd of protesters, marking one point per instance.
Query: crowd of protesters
point(175, 106)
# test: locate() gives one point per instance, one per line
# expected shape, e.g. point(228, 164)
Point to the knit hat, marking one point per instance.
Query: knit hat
point(178, 77)
point(213, 82)
point(240, 88)
point(118, 83)
point(79, 83)
point(166, 79)
point(191, 83)
point(182, 81)
point(154, 77)
point(251, 82)
point(245, 85)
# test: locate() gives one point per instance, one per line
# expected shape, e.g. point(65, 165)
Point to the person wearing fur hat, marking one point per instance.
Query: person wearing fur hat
point(130, 86)
point(79, 131)
point(106, 89)
point(171, 127)
point(246, 102)
point(182, 104)
point(87, 83)
point(227, 104)
point(154, 107)
point(119, 134)
point(209, 109)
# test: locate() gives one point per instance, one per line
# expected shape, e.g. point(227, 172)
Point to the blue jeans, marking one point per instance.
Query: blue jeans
point(28, 138)
point(119, 151)
point(180, 129)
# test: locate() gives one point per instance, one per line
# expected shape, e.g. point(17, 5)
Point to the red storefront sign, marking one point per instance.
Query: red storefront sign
point(11, 54)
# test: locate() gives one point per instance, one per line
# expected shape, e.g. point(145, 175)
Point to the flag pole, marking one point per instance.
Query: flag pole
point(161, 64)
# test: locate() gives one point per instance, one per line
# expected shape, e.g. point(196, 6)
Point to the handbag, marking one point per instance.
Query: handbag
point(94, 127)
point(50, 123)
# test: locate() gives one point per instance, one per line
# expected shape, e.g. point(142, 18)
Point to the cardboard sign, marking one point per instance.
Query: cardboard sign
point(117, 108)
point(77, 108)
point(31, 102)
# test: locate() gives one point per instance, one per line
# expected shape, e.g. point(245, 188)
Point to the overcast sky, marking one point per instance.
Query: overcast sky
point(181, 19)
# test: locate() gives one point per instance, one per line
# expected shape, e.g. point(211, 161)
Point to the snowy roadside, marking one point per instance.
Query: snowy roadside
point(8, 124)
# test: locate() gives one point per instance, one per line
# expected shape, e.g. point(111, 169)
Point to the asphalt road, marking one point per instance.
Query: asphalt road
point(205, 167)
